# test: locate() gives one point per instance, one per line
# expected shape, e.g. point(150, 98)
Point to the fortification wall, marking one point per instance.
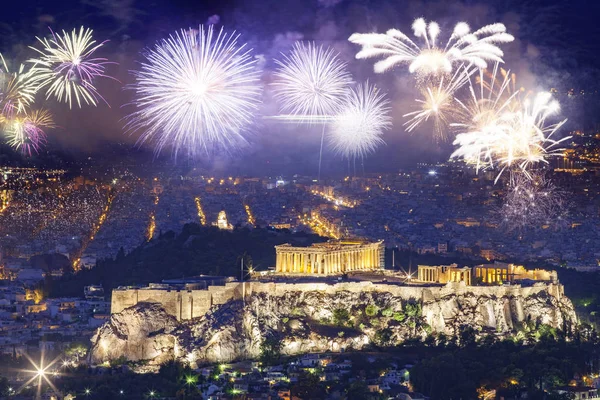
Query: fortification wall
point(188, 304)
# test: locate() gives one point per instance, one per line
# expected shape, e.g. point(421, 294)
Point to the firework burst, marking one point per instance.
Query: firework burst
point(532, 201)
point(438, 103)
point(499, 129)
point(311, 83)
point(358, 128)
point(67, 69)
point(196, 91)
point(27, 133)
point(17, 91)
point(432, 58)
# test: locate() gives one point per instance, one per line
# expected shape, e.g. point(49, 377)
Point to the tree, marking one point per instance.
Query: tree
point(358, 390)
point(270, 349)
point(414, 316)
point(4, 386)
point(371, 310)
point(383, 337)
point(341, 317)
point(309, 386)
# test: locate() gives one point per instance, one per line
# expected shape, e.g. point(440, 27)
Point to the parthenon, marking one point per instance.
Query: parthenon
point(333, 257)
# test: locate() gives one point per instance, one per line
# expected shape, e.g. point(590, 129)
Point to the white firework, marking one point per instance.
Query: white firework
point(432, 58)
point(67, 69)
point(502, 130)
point(311, 83)
point(439, 103)
point(357, 130)
point(17, 90)
point(197, 91)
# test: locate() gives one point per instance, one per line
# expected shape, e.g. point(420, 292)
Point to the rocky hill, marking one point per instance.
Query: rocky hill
point(301, 321)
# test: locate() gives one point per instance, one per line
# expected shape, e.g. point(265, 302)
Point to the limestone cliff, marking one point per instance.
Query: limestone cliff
point(302, 321)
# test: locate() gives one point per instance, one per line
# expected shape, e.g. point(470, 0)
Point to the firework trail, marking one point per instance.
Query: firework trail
point(358, 128)
point(196, 91)
point(502, 130)
point(17, 91)
point(26, 133)
point(532, 201)
point(66, 68)
point(433, 58)
point(311, 83)
point(439, 103)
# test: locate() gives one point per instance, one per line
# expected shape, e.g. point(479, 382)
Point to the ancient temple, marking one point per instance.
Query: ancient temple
point(444, 273)
point(333, 257)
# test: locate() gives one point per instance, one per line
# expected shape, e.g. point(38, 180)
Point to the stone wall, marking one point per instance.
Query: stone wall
point(189, 304)
point(208, 326)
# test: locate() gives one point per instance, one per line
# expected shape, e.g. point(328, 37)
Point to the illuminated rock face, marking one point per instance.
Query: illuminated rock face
point(333, 318)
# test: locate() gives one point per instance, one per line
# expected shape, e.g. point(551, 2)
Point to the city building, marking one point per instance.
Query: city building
point(333, 257)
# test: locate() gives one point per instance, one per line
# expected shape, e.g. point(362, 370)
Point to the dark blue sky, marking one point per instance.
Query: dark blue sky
point(558, 45)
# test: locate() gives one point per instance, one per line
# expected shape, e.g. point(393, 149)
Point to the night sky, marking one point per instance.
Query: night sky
point(557, 45)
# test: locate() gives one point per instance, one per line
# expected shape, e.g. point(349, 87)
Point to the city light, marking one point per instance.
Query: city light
point(251, 219)
point(201, 215)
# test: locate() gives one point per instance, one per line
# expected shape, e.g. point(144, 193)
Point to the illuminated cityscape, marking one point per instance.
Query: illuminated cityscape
point(299, 200)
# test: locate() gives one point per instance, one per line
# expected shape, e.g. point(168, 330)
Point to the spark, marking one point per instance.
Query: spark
point(357, 130)
point(501, 129)
point(197, 91)
point(311, 83)
point(432, 58)
point(532, 201)
point(67, 69)
point(438, 103)
point(26, 133)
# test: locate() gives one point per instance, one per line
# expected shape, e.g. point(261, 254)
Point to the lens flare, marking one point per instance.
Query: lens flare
point(197, 91)
point(357, 130)
point(311, 83)
point(66, 68)
point(432, 58)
